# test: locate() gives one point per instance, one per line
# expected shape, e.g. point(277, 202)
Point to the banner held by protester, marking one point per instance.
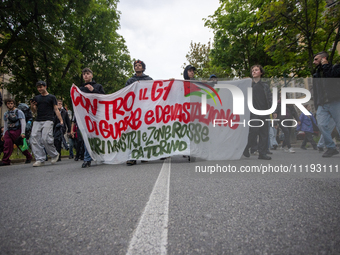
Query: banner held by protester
point(155, 119)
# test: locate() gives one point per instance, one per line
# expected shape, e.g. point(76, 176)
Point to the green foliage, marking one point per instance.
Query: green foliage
point(281, 35)
point(238, 40)
point(300, 30)
point(54, 40)
point(199, 57)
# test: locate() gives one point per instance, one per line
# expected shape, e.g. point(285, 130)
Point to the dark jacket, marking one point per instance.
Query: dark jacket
point(290, 112)
point(267, 93)
point(97, 88)
point(326, 90)
point(135, 78)
point(66, 120)
point(307, 123)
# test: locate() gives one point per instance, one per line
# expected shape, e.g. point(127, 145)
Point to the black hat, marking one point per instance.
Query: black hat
point(190, 67)
point(41, 83)
point(140, 62)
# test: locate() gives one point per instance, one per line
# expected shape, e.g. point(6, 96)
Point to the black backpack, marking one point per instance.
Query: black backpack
point(29, 118)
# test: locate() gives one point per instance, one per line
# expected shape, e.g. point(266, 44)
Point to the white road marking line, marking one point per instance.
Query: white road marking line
point(151, 234)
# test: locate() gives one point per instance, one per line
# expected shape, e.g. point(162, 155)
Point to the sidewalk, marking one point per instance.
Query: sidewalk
point(22, 160)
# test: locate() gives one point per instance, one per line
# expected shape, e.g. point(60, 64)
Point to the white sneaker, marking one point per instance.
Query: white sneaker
point(39, 163)
point(284, 149)
point(291, 150)
point(55, 159)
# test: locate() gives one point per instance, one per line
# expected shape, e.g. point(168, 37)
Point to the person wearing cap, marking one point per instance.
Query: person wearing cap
point(90, 86)
point(139, 67)
point(189, 72)
point(45, 105)
point(213, 78)
point(14, 128)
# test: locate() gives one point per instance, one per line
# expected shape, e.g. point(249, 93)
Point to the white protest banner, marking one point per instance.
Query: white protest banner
point(149, 120)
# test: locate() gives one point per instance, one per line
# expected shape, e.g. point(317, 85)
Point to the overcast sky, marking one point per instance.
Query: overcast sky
point(159, 32)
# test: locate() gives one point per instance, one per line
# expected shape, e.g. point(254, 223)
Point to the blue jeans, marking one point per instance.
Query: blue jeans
point(331, 126)
point(272, 137)
point(87, 156)
point(72, 144)
point(324, 114)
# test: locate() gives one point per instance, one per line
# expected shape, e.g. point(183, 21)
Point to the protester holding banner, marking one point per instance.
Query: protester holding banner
point(262, 100)
point(90, 86)
point(326, 93)
point(189, 72)
point(14, 129)
point(45, 105)
point(139, 67)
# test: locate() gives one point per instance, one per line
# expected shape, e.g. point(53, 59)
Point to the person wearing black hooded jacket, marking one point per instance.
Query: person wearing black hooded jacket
point(139, 67)
point(262, 100)
point(90, 86)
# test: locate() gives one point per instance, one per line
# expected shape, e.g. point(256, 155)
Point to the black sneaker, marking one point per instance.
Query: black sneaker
point(264, 157)
point(269, 152)
point(246, 153)
point(320, 149)
point(70, 157)
point(28, 161)
point(4, 164)
point(86, 164)
point(330, 152)
point(131, 162)
point(303, 147)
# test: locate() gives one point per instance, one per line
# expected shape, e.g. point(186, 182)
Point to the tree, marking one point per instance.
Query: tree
point(239, 37)
point(77, 34)
point(199, 57)
point(300, 30)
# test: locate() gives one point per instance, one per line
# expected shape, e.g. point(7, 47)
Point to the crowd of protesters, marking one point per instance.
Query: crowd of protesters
point(52, 121)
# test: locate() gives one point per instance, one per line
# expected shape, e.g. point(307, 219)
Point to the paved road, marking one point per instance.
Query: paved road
point(170, 207)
